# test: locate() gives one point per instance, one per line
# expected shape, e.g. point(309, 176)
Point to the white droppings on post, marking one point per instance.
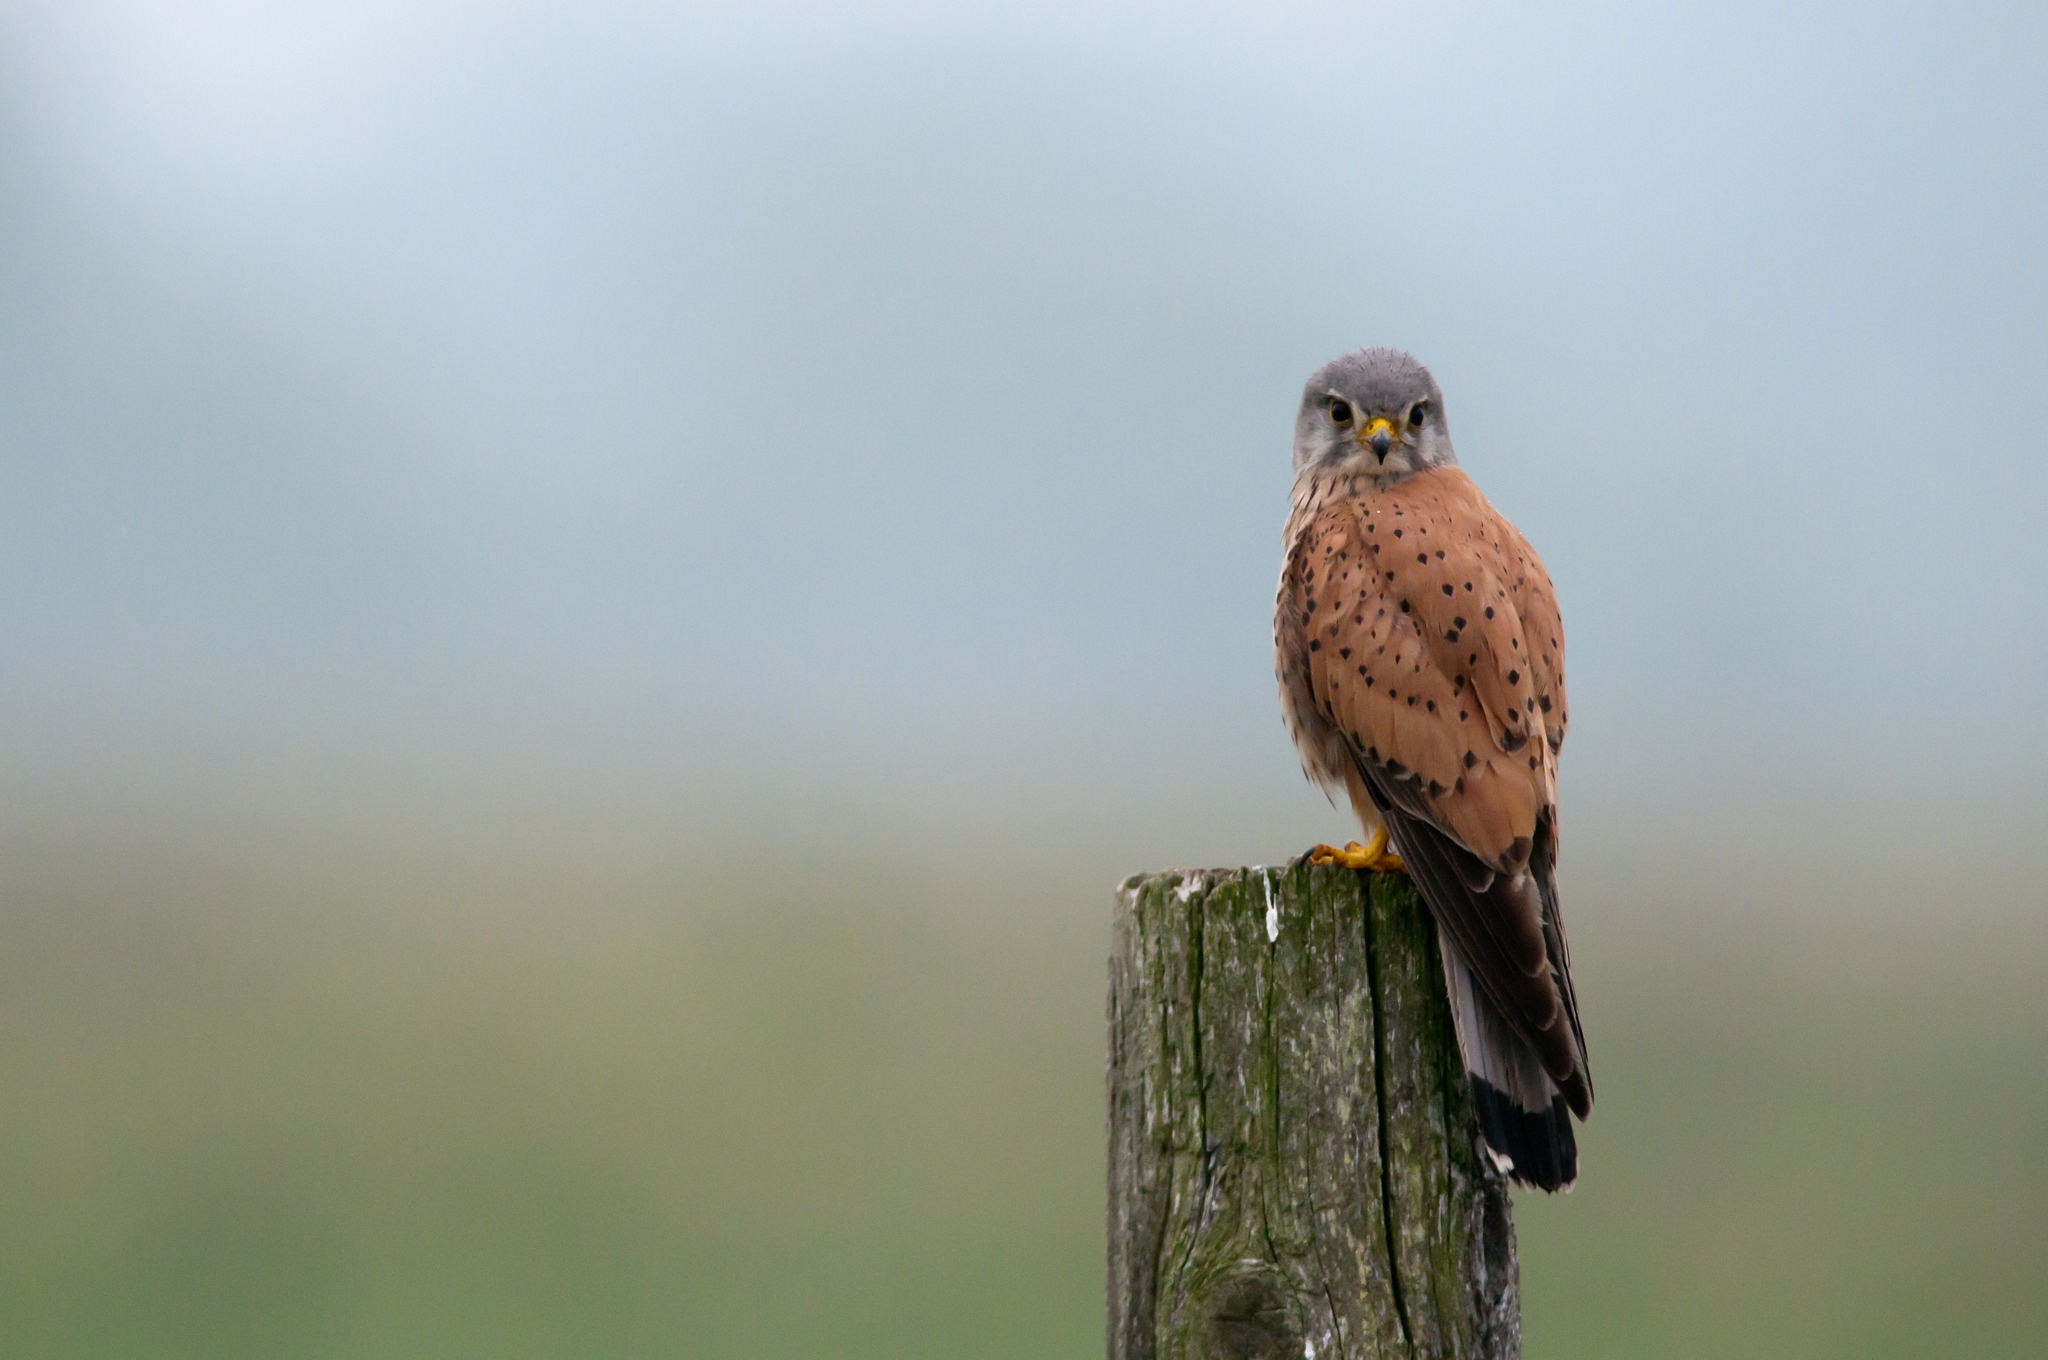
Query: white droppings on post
point(1272, 909)
point(1189, 886)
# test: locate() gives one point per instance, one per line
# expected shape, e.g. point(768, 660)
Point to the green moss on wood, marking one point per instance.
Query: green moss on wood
point(1294, 1167)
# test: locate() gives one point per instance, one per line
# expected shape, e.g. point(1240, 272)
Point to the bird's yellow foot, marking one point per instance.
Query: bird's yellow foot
point(1373, 855)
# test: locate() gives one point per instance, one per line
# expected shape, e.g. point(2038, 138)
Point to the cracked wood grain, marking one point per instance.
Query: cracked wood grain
point(1294, 1168)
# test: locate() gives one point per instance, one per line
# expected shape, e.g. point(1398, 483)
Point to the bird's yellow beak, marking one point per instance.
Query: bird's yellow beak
point(1377, 434)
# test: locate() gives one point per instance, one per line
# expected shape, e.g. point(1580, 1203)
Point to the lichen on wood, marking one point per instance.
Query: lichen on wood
point(1294, 1166)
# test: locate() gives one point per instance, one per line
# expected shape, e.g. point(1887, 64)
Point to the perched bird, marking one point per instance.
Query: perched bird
point(1421, 665)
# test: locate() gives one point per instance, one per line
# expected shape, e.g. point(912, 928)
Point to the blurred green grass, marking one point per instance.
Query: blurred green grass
point(545, 1094)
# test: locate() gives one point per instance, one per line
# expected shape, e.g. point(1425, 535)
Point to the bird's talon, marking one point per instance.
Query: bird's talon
point(1375, 856)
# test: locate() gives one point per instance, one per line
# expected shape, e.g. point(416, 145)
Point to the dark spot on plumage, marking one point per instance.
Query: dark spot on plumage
point(1432, 705)
point(1470, 760)
point(1459, 787)
point(1512, 741)
point(1545, 701)
point(1404, 606)
point(1315, 644)
point(1458, 622)
point(1532, 762)
point(1451, 635)
point(1344, 652)
point(1518, 849)
point(1437, 790)
point(1514, 677)
point(1447, 590)
point(1396, 768)
point(1489, 611)
point(1457, 684)
point(1462, 715)
point(1411, 701)
point(1422, 559)
point(1439, 554)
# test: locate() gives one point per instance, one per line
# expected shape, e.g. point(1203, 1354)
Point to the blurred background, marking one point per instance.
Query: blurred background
point(593, 598)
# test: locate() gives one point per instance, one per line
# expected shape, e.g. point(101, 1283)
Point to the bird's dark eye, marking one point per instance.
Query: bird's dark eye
point(1340, 410)
point(1416, 414)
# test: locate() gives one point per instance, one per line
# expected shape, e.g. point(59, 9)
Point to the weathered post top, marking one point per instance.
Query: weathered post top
point(1294, 1164)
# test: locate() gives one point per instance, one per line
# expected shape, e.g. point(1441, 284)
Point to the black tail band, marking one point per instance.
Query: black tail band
point(1539, 1144)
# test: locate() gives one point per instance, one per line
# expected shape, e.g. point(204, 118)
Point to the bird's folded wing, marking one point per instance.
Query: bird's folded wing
point(1434, 647)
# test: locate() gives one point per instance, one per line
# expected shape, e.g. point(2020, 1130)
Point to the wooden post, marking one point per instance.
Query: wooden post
point(1294, 1165)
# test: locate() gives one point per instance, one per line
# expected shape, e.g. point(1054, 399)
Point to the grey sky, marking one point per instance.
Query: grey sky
point(907, 395)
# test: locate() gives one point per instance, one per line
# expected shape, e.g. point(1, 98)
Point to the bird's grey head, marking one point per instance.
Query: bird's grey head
point(1373, 411)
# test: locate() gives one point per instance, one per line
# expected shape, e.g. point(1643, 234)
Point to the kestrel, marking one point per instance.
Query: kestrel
point(1421, 665)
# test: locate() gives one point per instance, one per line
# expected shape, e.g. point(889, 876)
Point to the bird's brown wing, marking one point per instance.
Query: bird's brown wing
point(1434, 646)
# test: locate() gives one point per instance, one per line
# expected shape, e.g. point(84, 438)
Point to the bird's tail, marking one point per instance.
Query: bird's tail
point(1522, 1113)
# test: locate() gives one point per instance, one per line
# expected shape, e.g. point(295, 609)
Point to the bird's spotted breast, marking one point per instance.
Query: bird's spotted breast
point(1430, 648)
